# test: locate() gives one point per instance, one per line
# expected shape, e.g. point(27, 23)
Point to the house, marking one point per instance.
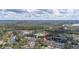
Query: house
point(44, 36)
point(75, 37)
point(24, 32)
point(60, 38)
point(1, 42)
point(41, 34)
point(68, 27)
point(13, 39)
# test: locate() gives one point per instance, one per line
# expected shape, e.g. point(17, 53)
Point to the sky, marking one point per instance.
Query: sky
point(39, 14)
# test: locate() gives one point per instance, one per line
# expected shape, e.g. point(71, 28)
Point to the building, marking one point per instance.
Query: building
point(61, 38)
point(75, 25)
point(75, 37)
point(40, 34)
point(24, 32)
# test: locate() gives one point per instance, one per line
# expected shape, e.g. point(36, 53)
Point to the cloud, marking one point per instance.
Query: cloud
point(39, 14)
point(15, 10)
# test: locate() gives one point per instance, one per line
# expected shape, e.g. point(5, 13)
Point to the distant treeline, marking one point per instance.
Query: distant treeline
point(24, 27)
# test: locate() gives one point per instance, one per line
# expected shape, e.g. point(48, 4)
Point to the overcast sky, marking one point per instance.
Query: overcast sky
point(39, 14)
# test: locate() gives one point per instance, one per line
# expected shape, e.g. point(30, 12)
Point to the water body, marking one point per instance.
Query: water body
point(39, 21)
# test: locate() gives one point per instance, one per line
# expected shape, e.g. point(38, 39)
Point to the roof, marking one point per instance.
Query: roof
point(41, 34)
point(75, 25)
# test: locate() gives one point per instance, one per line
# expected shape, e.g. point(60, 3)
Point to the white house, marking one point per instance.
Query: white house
point(41, 34)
